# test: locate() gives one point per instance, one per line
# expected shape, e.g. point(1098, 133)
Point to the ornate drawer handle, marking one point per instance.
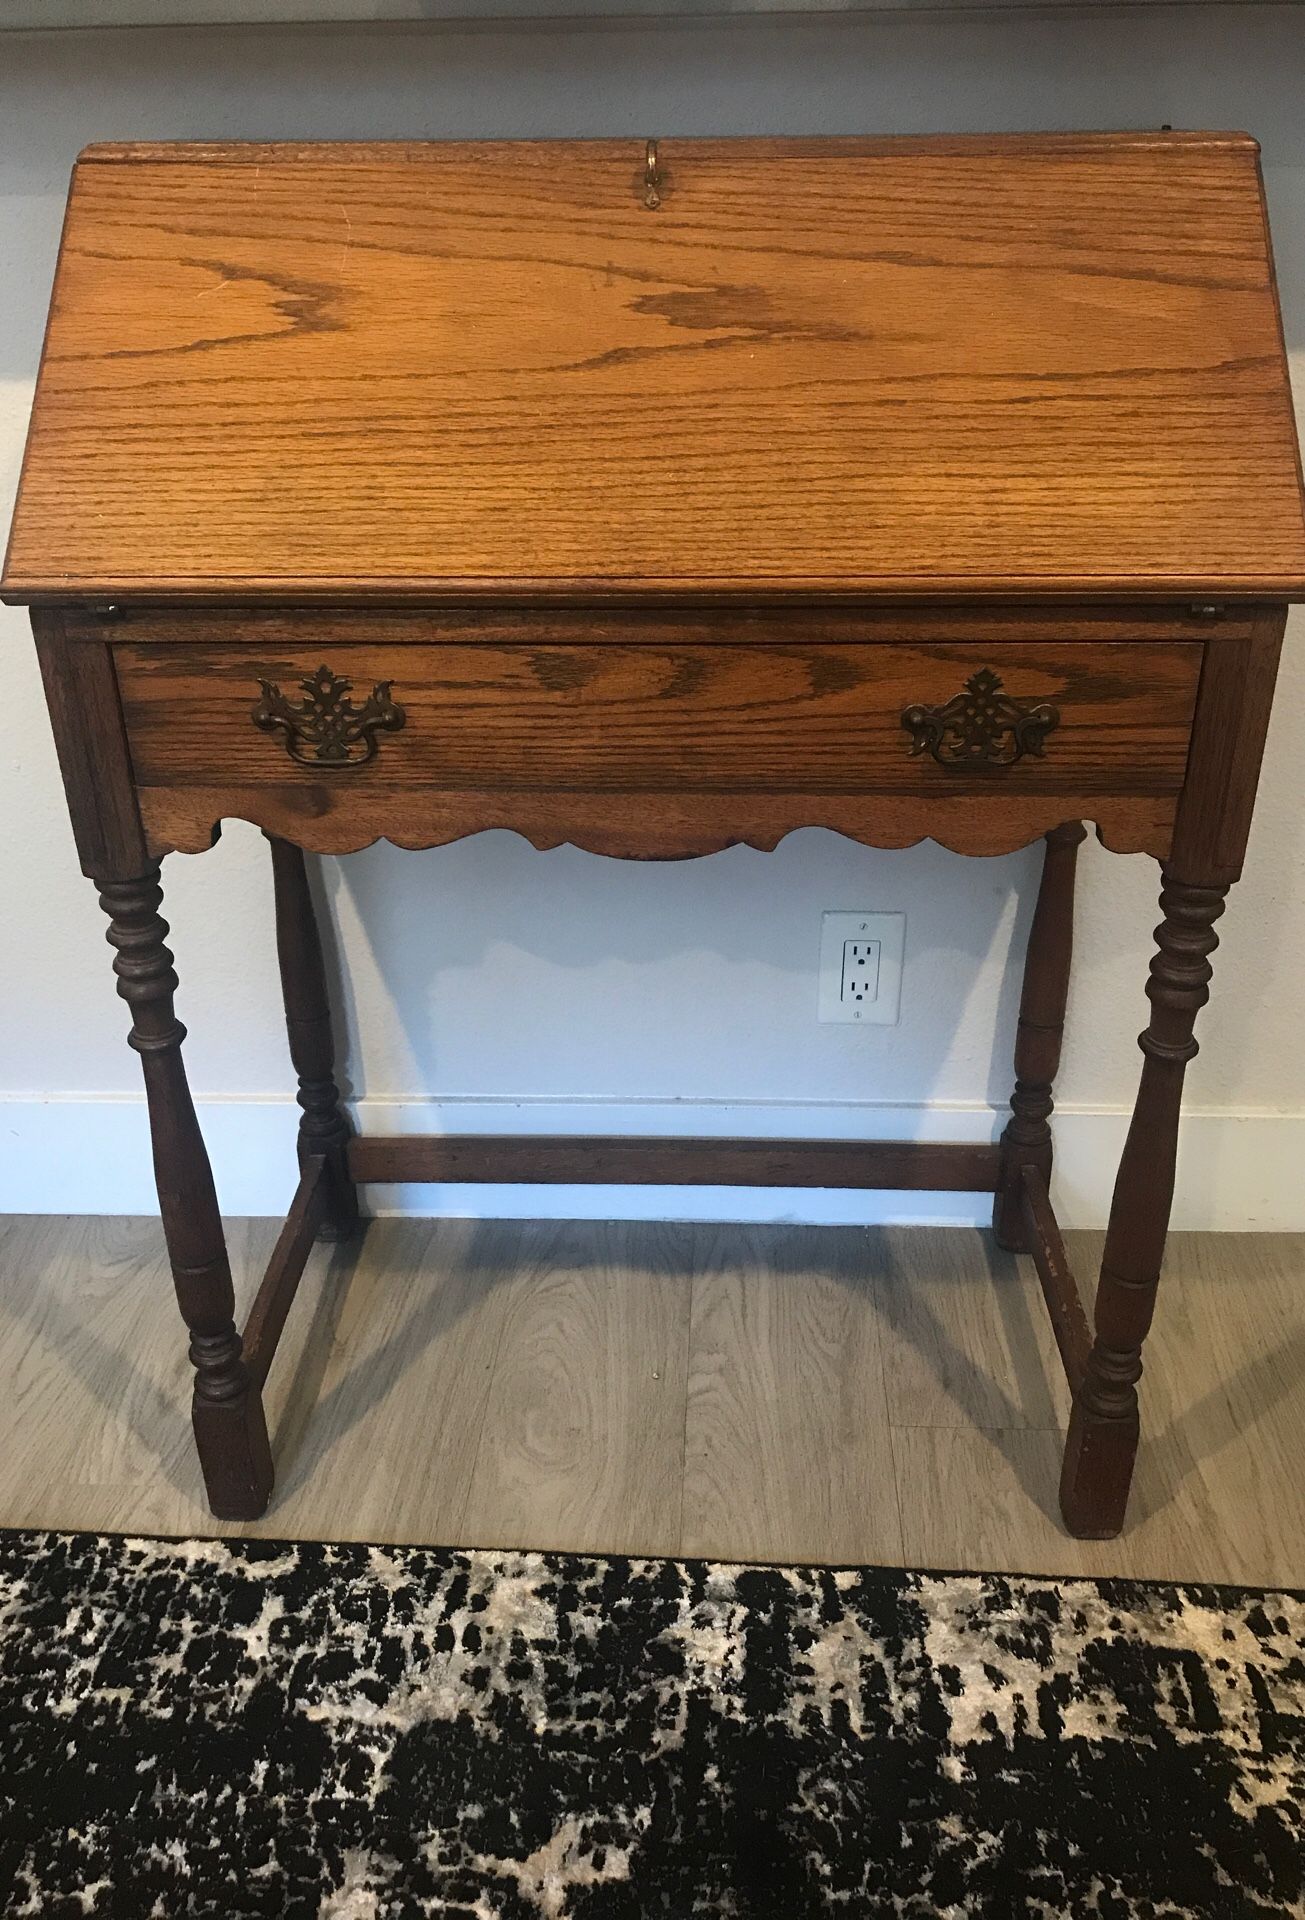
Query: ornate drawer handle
point(981, 728)
point(326, 729)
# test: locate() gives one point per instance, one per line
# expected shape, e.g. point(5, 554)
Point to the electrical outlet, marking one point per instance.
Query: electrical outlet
point(860, 972)
point(861, 967)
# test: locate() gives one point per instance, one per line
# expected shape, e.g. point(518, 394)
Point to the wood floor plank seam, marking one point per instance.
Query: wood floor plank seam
point(834, 1371)
point(480, 1424)
point(973, 1426)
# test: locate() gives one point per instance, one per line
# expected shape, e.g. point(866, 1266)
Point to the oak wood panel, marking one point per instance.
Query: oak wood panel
point(287, 629)
point(1228, 734)
point(720, 719)
point(618, 749)
point(617, 1161)
point(81, 694)
point(643, 826)
point(990, 366)
point(256, 153)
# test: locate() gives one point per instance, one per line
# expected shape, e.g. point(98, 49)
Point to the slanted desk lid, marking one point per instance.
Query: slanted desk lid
point(1025, 366)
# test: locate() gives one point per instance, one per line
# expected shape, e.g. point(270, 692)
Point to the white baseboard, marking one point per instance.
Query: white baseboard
point(90, 1154)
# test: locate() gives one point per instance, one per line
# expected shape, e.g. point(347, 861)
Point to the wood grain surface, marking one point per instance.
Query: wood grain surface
point(584, 1420)
point(650, 826)
point(823, 1382)
point(657, 750)
point(277, 628)
point(805, 719)
point(1026, 364)
point(786, 1453)
point(81, 695)
point(1233, 705)
point(615, 1159)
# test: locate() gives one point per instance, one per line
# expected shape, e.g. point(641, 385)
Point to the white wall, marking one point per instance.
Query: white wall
point(562, 991)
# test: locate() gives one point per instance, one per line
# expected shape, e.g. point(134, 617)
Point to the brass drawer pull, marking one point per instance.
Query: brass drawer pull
point(980, 729)
point(326, 729)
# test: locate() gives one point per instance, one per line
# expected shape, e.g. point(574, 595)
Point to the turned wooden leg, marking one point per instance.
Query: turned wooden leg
point(323, 1128)
point(1027, 1139)
point(1103, 1428)
point(227, 1409)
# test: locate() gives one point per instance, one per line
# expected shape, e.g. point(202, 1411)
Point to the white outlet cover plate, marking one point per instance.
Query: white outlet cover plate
point(836, 929)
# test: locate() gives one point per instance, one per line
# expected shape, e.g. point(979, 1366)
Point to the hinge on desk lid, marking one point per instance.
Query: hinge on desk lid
point(653, 179)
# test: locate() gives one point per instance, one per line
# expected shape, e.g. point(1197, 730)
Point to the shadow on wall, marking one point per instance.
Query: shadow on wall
point(579, 976)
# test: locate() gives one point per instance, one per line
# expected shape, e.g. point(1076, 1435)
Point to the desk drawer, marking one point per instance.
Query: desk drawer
point(843, 718)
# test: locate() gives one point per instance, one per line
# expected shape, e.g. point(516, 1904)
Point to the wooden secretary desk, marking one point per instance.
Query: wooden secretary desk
point(656, 496)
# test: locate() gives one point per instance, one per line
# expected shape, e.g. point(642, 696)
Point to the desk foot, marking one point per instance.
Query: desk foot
point(1098, 1469)
point(1027, 1139)
point(1103, 1428)
point(235, 1455)
point(230, 1430)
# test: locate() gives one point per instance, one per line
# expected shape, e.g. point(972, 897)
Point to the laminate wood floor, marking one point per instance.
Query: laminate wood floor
point(844, 1395)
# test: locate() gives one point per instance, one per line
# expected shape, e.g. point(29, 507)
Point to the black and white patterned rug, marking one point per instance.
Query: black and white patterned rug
point(378, 1733)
